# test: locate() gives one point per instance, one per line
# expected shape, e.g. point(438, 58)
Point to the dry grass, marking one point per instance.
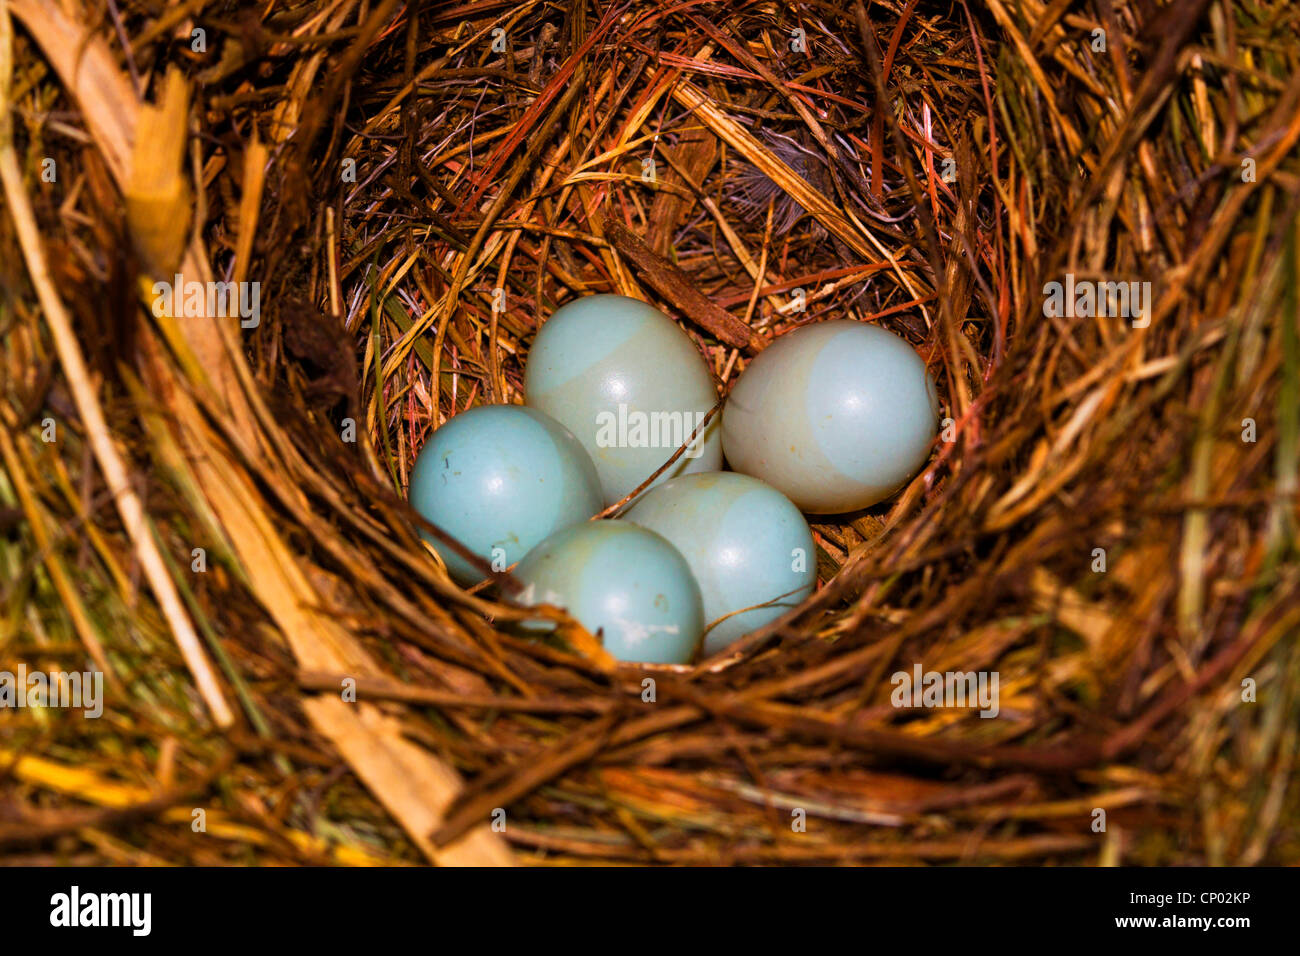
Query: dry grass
point(698, 156)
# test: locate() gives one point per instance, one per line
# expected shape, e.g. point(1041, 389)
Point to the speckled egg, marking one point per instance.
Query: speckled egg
point(622, 581)
point(746, 543)
point(630, 384)
point(499, 479)
point(836, 415)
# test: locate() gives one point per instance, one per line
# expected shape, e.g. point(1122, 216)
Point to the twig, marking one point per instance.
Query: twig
point(676, 286)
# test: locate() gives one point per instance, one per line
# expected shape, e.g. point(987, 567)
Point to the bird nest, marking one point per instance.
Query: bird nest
point(1082, 216)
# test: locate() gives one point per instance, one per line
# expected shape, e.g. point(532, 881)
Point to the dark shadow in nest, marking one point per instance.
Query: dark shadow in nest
point(328, 366)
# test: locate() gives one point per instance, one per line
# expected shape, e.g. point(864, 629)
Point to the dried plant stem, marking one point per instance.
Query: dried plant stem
point(92, 415)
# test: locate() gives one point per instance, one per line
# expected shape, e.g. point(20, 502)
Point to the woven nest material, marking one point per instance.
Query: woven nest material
point(211, 511)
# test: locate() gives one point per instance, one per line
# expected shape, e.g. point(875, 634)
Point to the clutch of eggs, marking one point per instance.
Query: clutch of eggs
point(830, 418)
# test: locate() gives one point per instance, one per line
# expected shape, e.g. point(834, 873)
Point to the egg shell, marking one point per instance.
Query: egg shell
point(623, 581)
point(501, 477)
point(746, 544)
point(836, 415)
point(630, 384)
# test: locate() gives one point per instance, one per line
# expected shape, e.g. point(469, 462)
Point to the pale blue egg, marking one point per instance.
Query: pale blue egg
point(630, 384)
point(499, 479)
point(746, 543)
point(837, 416)
point(623, 582)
